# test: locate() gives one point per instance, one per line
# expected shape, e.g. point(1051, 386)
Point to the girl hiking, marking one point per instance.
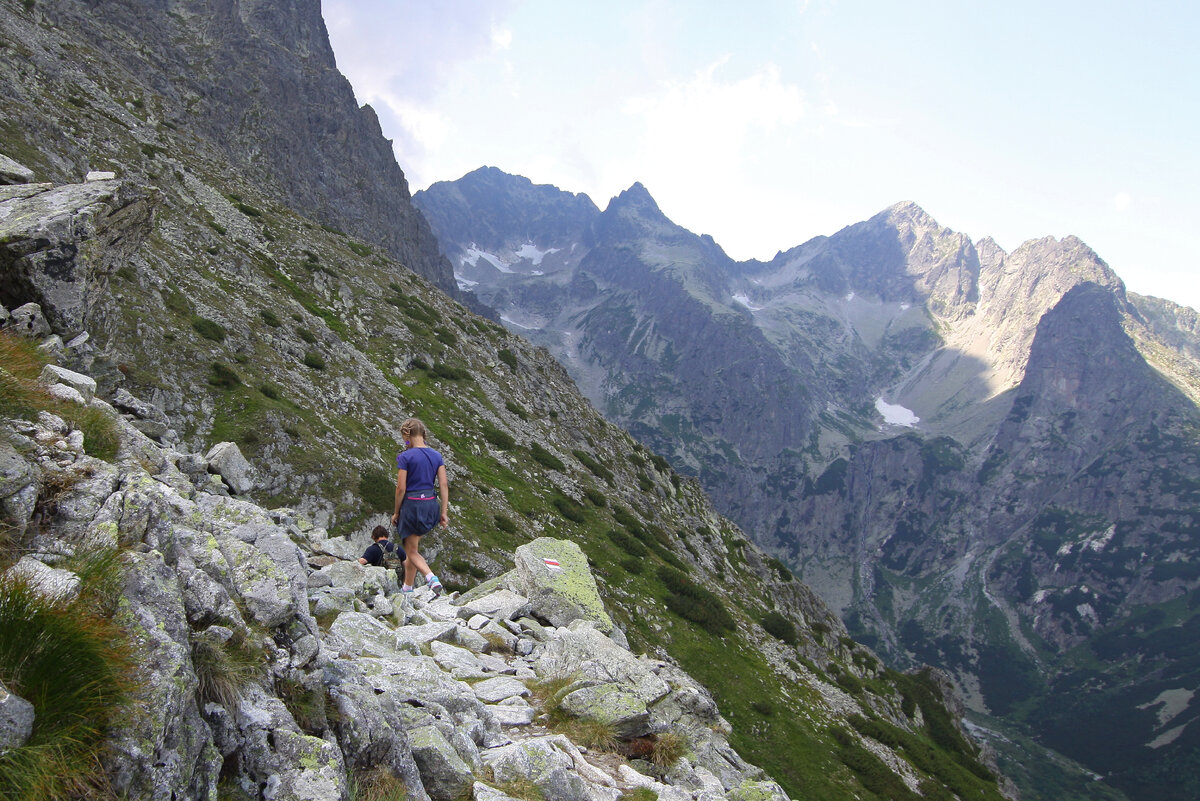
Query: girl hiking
point(422, 500)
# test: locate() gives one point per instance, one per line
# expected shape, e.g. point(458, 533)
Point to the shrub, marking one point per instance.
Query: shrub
point(626, 543)
point(177, 302)
point(224, 376)
point(764, 708)
point(361, 250)
point(781, 569)
point(21, 395)
point(445, 336)
point(594, 467)
point(506, 524)
point(101, 435)
point(660, 463)
point(516, 409)
point(307, 704)
point(692, 602)
point(545, 458)
point(497, 438)
point(269, 390)
point(441, 370)
point(209, 329)
point(508, 357)
point(638, 794)
point(378, 490)
point(568, 509)
point(314, 360)
point(779, 627)
point(595, 497)
point(247, 209)
point(631, 564)
point(69, 660)
point(306, 335)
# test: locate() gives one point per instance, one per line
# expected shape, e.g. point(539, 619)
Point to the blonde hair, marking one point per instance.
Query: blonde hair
point(412, 427)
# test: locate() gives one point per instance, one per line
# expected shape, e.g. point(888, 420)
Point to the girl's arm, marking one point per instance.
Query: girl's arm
point(401, 481)
point(444, 491)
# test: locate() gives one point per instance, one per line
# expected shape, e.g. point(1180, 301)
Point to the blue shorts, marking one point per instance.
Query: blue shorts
point(418, 517)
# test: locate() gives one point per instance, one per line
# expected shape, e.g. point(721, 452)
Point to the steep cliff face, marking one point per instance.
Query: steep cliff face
point(245, 85)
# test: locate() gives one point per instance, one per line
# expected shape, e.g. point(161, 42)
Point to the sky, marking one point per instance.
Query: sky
point(765, 123)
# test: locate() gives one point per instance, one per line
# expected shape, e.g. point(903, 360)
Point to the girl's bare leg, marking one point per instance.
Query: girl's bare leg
point(415, 561)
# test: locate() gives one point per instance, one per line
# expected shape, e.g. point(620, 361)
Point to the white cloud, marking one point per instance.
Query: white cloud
point(502, 38)
point(1122, 201)
point(718, 112)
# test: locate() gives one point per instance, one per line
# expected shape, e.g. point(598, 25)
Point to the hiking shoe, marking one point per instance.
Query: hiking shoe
point(433, 584)
point(403, 591)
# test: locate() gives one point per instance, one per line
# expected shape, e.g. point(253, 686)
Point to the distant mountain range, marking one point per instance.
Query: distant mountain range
point(983, 460)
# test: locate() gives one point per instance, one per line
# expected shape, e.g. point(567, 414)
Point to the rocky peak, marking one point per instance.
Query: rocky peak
point(500, 212)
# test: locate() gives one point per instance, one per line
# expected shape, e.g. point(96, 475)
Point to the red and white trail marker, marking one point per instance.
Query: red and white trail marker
point(552, 564)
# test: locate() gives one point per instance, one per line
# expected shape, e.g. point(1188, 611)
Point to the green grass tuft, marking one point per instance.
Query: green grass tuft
point(70, 662)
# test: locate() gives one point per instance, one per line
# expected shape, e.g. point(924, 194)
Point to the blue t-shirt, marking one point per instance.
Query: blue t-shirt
point(421, 465)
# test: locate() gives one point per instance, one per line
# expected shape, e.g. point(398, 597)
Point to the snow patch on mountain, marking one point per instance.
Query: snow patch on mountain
point(474, 254)
point(744, 299)
point(531, 252)
point(896, 415)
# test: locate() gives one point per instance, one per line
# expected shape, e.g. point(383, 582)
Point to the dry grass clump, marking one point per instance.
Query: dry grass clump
point(23, 395)
point(377, 784)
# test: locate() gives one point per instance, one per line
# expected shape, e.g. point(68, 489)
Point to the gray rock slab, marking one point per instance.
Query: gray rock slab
point(13, 172)
point(508, 715)
point(461, 663)
point(226, 460)
point(29, 320)
point(16, 720)
point(497, 689)
point(590, 654)
point(50, 582)
point(366, 635)
point(503, 604)
point(443, 772)
point(84, 385)
point(423, 635)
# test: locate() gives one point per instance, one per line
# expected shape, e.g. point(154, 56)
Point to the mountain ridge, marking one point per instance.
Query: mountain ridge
point(913, 423)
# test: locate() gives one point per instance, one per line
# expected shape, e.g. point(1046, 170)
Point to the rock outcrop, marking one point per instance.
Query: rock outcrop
point(434, 689)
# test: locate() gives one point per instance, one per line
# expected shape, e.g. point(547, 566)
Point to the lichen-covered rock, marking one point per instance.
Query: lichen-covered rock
point(554, 766)
point(163, 743)
point(226, 460)
point(609, 704)
point(588, 653)
point(555, 577)
point(445, 775)
point(369, 726)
